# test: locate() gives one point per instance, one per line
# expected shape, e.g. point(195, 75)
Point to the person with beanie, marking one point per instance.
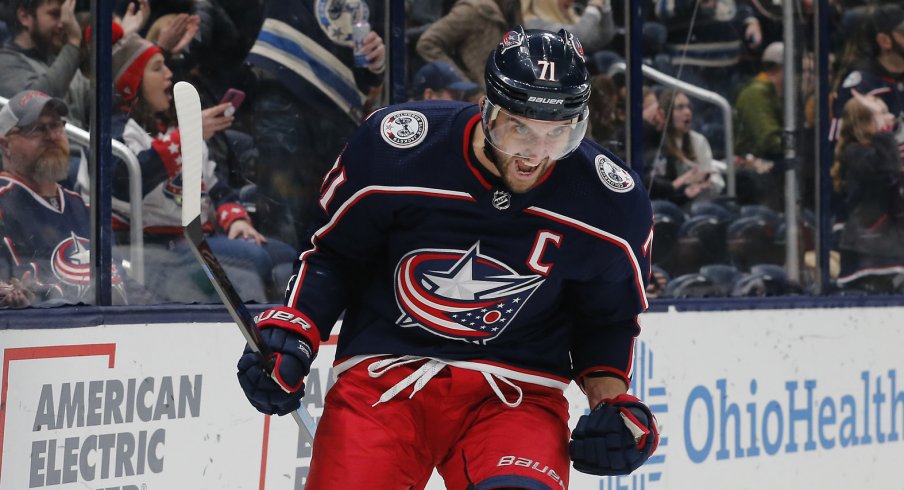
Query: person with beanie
point(144, 121)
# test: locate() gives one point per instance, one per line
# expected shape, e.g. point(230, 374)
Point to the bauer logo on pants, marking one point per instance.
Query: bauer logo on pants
point(404, 129)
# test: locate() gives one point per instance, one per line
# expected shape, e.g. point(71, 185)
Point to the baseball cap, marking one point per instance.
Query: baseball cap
point(888, 18)
point(24, 109)
point(774, 53)
point(440, 75)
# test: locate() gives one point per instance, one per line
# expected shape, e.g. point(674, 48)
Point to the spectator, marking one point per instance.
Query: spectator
point(758, 109)
point(653, 126)
point(43, 54)
point(759, 121)
point(867, 171)
point(607, 114)
point(594, 27)
point(881, 73)
point(465, 36)
point(706, 40)
point(440, 81)
point(144, 123)
point(684, 170)
point(304, 111)
point(45, 256)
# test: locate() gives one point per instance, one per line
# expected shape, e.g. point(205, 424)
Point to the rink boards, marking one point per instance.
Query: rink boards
point(783, 398)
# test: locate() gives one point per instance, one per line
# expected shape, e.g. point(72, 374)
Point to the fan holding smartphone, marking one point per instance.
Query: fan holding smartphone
point(235, 97)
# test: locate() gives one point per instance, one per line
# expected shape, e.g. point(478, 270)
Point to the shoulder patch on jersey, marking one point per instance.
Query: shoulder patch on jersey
point(852, 80)
point(404, 129)
point(613, 176)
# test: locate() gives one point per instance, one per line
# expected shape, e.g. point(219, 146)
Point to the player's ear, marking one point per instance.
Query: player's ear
point(3, 144)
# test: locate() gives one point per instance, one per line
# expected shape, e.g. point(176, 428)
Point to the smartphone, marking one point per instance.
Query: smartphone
point(235, 97)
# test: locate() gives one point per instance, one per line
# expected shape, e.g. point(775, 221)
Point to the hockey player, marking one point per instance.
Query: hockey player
point(485, 256)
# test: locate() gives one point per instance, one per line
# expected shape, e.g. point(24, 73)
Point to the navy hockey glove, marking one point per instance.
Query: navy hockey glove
point(293, 340)
point(616, 438)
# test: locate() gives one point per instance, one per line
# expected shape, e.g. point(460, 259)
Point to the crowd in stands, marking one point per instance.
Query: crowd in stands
point(296, 90)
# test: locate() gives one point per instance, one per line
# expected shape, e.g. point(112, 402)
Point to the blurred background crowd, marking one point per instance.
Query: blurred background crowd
point(283, 83)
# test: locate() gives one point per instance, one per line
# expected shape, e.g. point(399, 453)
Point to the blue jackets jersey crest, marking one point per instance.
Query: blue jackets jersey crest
point(50, 241)
point(430, 255)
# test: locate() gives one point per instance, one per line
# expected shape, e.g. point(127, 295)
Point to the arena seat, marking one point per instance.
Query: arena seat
point(751, 240)
point(723, 276)
point(667, 220)
point(693, 285)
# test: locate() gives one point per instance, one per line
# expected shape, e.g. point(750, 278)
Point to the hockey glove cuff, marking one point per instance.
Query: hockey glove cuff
point(293, 340)
point(616, 437)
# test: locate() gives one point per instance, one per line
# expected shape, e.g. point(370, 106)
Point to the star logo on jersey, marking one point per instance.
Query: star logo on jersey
point(71, 262)
point(460, 294)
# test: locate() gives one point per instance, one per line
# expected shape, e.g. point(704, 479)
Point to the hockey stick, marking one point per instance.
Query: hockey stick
point(188, 113)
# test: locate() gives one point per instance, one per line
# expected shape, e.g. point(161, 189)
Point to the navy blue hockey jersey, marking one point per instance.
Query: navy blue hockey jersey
point(871, 78)
point(50, 241)
point(429, 254)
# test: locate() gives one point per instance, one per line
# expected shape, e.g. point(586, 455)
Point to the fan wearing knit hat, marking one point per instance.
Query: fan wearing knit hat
point(131, 55)
point(144, 121)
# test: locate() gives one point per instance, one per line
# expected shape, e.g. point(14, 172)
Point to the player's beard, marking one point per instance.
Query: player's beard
point(52, 165)
point(517, 176)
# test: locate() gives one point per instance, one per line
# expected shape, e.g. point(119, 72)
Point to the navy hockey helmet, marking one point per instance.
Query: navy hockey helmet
point(539, 74)
point(542, 76)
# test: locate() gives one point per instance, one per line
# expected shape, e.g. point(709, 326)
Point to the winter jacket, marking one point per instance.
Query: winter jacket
point(873, 185)
point(465, 37)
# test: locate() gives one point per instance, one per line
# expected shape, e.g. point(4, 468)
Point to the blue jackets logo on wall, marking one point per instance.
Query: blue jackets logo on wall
point(404, 129)
point(613, 176)
point(460, 294)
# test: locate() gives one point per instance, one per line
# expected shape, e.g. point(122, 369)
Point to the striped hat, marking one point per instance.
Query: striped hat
point(130, 55)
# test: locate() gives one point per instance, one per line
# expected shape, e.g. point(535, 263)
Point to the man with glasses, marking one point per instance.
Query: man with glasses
point(485, 255)
point(44, 228)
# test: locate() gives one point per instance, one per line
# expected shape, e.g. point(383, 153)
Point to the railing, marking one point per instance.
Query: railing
point(136, 226)
point(706, 96)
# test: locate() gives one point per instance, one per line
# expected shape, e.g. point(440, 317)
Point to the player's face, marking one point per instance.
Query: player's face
point(528, 144)
point(39, 152)
point(155, 84)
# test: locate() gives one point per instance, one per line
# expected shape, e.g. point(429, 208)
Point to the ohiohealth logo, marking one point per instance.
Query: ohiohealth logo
point(654, 395)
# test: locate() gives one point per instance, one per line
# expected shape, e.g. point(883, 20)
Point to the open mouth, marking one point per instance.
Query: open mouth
point(524, 170)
